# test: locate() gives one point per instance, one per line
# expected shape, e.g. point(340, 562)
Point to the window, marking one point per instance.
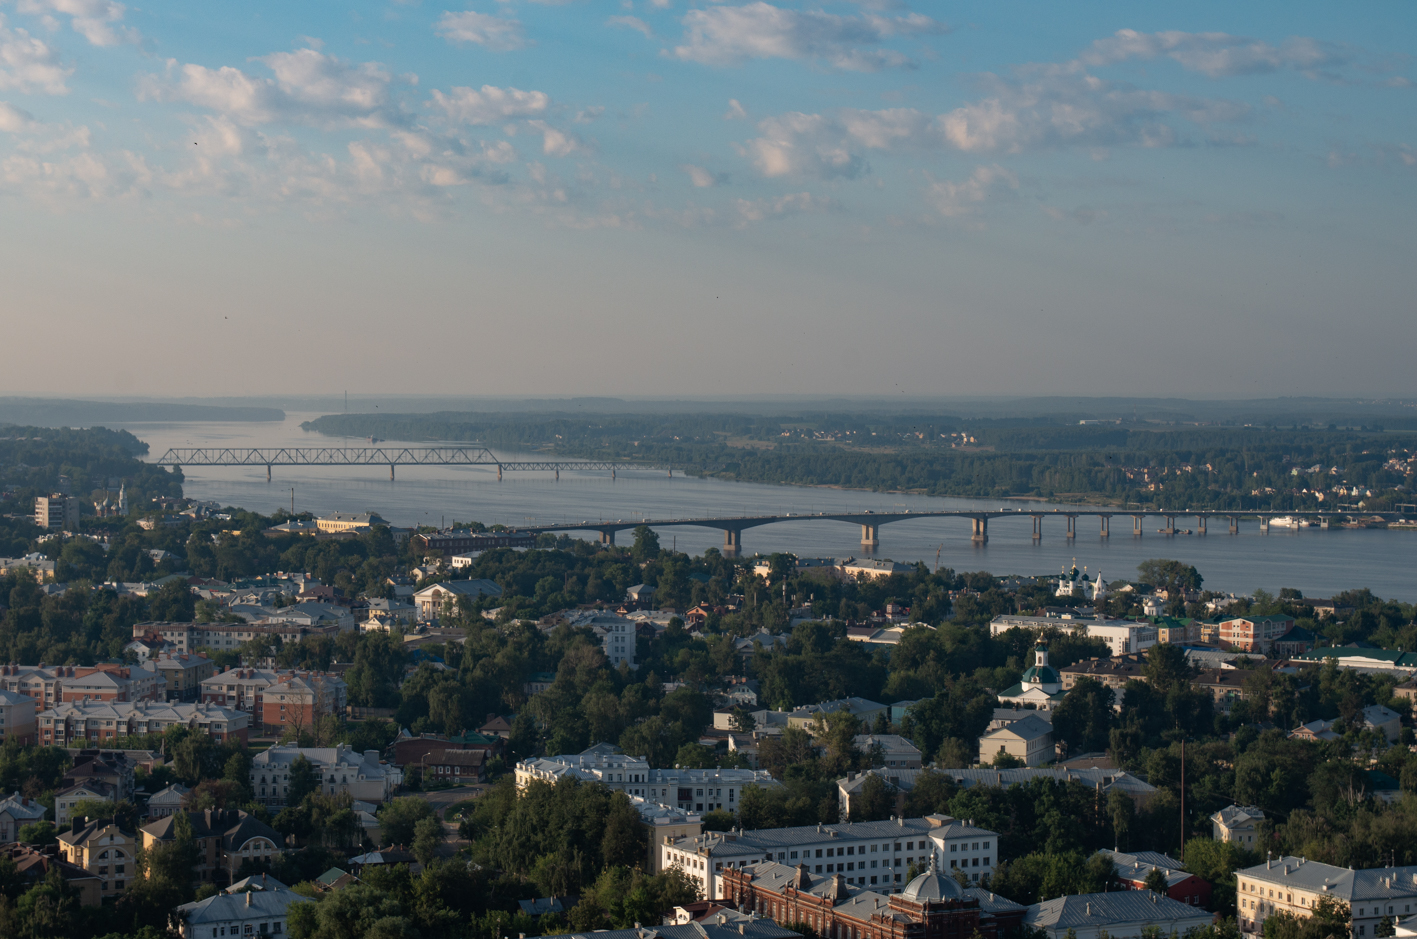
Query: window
point(954, 848)
point(819, 852)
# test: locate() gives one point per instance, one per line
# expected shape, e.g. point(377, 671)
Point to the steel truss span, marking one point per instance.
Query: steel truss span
point(367, 456)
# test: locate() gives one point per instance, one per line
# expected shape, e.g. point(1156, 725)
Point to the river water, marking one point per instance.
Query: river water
point(1312, 560)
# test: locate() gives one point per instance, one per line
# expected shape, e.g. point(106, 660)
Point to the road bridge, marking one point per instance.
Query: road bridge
point(870, 522)
point(378, 456)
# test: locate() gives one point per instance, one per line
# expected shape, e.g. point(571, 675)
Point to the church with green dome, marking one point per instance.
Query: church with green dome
point(1041, 686)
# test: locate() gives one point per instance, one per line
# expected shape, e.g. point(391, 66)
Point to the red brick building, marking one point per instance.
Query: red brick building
point(932, 906)
point(1181, 885)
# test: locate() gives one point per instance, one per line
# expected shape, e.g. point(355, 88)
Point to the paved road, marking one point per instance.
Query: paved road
point(443, 798)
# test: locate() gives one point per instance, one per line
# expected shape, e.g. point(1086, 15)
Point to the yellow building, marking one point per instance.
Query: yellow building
point(104, 850)
point(343, 522)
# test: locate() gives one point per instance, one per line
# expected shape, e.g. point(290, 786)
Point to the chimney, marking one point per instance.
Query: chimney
point(248, 898)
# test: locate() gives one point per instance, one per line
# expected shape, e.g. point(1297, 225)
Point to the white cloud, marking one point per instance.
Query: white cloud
point(555, 142)
point(631, 22)
point(702, 178)
point(309, 87)
point(797, 144)
point(96, 20)
point(797, 203)
point(952, 199)
point(735, 111)
point(30, 65)
point(490, 104)
point(728, 35)
point(492, 32)
point(1219, 54)
point(15, 120)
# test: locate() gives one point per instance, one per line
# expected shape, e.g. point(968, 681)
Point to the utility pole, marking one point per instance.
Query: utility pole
point(292, 501)
point(1183, 799)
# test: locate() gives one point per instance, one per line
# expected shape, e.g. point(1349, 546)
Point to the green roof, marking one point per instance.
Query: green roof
point(330, 876)
point(1043, 675)
point(1395, 656)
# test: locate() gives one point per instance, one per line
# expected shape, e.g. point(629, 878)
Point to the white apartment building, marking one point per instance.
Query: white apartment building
point(339, 768)
point(57, 511)
point(1123, 637)
point(867, 854)
point(691, 790)
point(1294, 885)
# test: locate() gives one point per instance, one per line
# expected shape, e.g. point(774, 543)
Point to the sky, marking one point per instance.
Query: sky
point(650, 197)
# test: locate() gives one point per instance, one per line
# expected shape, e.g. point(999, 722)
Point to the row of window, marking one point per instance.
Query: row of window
point(249, 929)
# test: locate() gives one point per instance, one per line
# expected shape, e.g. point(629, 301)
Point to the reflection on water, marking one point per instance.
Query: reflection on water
point(1314, 561)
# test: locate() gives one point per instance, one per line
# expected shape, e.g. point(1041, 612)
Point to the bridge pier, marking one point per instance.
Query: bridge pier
point(607, 537)
point(558, 474)
point(1234, 524)
point(1037, 528)
point(1072, 527)
point(1323, 523)
point(870, 537)
point(612, 473)
point(1200, 524)
point(671, 472)
point(268, 472)
point(1105, 526)
point(499, 472)
point(1170, 528)
point(1264, 524)
point(1136, 525)
point(732, 543)
point(980, 534)
point(391, 472)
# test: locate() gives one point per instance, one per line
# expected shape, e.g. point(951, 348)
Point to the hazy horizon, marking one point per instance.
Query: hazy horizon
point(668, 199)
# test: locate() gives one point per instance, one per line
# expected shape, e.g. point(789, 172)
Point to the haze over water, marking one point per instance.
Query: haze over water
point(1314, 561)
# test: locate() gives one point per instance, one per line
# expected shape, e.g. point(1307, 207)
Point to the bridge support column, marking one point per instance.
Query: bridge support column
point(1200, 524)
point(1072, 527)
point(391, 472)
point(1234, 524)
point(558, 474)
point(1170, 525)
point(869, 539)
point(1136, 525)
point(732, 543)
point(1037, 528)
point(980, 535)
point(268, 472)
point(1264, 524)
point(1106, 524)
point(607, 537)
point(499, 472)
point(612, 473)
point(671, 472)
point(1323, 523)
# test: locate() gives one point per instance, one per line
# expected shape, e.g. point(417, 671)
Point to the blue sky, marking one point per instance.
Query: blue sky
point(1196, 199)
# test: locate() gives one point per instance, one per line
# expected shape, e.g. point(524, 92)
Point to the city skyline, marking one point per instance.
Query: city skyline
point(652, 197)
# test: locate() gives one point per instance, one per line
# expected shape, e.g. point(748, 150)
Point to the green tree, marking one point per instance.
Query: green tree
point(304, 779)
point(399, 819)
point(646, 546)
point(427, 839)
point(1084, 717)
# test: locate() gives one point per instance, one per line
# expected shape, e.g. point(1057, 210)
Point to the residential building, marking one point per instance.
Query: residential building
point(1254, 633)
point(1113, 672)
point(277, 698)
point(256, 906)
point(225, 839)
point(1175, 629)
point(932, 906)
point(870, 569)
point(454, 766)
point(51, 685)
point(17, 717)
point(343, 521)
point(896, 751)
point(865, 854)
point(1030, 741)
point(712, 928)
point(184, 673)
point(1104, 781)
point(149, 648)
point(496, 726)
point(1040, 687)
point(1121, 915)
point(104, 850)
point(1384, 720)
point(1237, 823)
point(806, 716)
point(1226, 685)
point(110, 768)
point(69, 798)
point(430, 600)
point(1315, 730)
point(339, 768)
point(692, 790)
point(1367, 661)
point(1295, 642)
point(414, 751)
point(169, 801)
point(37, 564)
point(57, 511)
point(94, 721)
point(1123, 637)
point(1294, 885)
point(1181, 885)
point(17, 811)
point(1407, 691)
point(665, 823)
point(461, 541)
point(34, 864)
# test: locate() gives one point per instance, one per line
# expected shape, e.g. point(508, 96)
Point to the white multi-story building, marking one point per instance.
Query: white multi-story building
point(691, 790)
point(57, 511)
point(867, 854)
point(1123, 637)
point(339, 768)
point(88, 723)
point(1295, 886)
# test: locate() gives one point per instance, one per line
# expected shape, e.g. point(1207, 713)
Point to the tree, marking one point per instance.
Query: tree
point(399, 819)
point(1169, 575)
point(743, 720)
point(38, 833)
point(427, 839)
point(876, 800)
point(1084, 717)
point(304, 779)
point(646, 546)
point(1156, 881)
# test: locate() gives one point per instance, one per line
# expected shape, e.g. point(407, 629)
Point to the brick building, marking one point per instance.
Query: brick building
point(94, 722)
point(225, 839)
point(276, 698)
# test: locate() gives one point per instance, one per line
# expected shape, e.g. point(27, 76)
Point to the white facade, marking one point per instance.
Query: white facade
point(690, 790)
point(1123, 638)
point(339, 768)
point(1294, 885)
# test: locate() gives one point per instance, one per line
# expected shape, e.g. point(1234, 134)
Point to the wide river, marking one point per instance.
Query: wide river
point(1315, 561)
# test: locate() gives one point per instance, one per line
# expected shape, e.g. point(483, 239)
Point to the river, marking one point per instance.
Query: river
point(1314, 561)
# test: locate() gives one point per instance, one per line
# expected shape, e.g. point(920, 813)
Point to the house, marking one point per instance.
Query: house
point(1237, 823)
point(175, 798)
point(334, 879)
point(870, 569)
point(341, 521)
point(1254, 633)
point(692, 790)
point(896, 751)
point(278, 699)
point(339, 768)
point(1295, 642)
point(1294, 885)
point(17, 811)
point(34, 864)
point(1383, 720)
point(414, 751)
point(1123, 637)
point(431, 600)
point(104, 850)
point(454, 766)
point(1123, 914)
point(17, 717)
point(256, 906)
point(806, 717)
point(1030, 741)
point(496, 726)
point(1181, 885)
point(1040, 687)
point(1314, 730)
point(184, 673)
point(225, 838)
point(640, 594)
point(95, 721)
point(69, 798)
point(542, 905)
point(1104, 781)
point(1407, 691)
point(1113, 672)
